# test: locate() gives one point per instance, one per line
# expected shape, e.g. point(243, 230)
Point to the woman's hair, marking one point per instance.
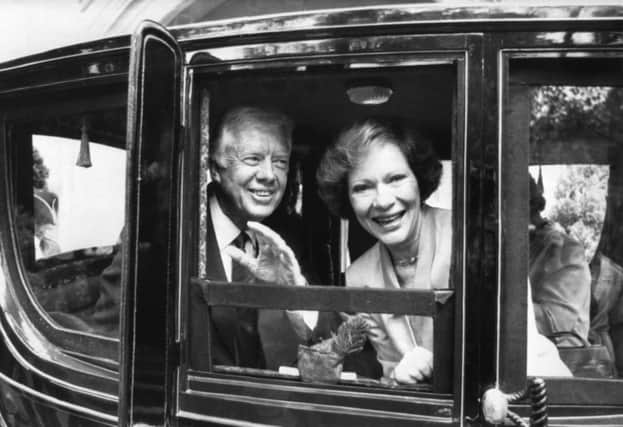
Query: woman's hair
point(354, 142)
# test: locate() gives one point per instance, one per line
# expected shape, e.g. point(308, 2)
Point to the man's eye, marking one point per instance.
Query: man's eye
point(251, 160)
point(281, 163)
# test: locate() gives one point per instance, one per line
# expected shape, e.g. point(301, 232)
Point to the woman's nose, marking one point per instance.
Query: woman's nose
point(265, 171)
point(384, 198)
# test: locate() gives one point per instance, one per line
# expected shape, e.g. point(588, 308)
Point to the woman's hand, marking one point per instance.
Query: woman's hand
point(275, 261)
point(415, 366)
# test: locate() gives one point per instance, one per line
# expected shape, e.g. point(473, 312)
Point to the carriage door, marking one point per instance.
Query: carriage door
point(149, 240)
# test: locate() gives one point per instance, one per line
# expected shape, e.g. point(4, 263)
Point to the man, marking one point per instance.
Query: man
point(560, 278)
point(607, 307)
point(249, 165)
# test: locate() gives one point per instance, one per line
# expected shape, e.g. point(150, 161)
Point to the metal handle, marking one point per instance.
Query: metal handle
point(495, 404)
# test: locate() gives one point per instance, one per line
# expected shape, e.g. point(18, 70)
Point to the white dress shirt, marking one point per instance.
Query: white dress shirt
point(225, 232)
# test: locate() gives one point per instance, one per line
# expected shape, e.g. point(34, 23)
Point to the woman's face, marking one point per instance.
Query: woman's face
point(385, 196)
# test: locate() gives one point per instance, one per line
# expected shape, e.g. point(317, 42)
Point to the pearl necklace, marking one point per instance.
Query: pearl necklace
point(412, 260)
point(405, 262)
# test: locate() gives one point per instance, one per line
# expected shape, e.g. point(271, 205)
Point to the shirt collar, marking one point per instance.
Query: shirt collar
point(224, 228)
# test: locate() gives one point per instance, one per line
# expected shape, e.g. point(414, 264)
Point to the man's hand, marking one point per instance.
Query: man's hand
point(275, 261)
point(415, 366)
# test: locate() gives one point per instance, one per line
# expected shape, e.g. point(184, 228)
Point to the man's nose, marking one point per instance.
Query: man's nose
point(384, 197)
point(265, 171)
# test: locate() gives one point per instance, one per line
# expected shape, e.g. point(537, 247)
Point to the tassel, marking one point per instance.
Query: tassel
point(84, 156)
point(539, 182)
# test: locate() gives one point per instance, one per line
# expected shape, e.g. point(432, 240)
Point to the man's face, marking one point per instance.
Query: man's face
point(252, 170)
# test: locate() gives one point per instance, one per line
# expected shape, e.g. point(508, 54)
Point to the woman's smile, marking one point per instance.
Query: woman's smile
point(385, 196)
point(389, 221)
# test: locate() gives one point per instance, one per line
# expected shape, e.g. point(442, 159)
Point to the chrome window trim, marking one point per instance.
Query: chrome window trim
point(108, 78)
point(329, 48)
point(377, 393)
point(58, 402)
point(83, 53)
point(397, 16)
point(461, 381)
point(316, 407)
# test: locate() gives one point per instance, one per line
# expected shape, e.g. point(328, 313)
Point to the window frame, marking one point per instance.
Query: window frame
point(71, 341)
point(58, 356)
point(408, 50)
point(514, 162)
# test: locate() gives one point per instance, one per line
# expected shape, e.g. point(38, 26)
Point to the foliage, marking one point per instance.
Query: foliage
point(350, 338)
point(560, 111)
point(579, 203)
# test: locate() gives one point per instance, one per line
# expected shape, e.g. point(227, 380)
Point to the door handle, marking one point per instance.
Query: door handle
point(494, 404)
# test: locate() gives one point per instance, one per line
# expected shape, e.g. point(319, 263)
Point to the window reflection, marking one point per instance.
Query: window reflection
point(87, 204)
point(70, 218)
point(576, 284)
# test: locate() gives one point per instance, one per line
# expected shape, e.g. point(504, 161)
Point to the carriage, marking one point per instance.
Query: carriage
point(118, 131)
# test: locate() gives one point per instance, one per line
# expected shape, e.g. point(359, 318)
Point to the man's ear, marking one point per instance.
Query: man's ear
point(214, 171)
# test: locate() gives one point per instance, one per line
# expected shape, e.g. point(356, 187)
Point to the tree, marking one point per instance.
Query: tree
point(559, 113)
point(579, 203)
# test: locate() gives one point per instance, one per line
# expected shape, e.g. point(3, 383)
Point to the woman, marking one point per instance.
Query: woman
point(380, 173)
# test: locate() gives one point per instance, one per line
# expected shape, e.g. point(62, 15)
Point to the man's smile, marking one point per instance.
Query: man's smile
point(262, 194)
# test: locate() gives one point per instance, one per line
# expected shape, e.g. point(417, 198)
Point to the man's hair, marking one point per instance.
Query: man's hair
point(353, 144)
point(245, 118)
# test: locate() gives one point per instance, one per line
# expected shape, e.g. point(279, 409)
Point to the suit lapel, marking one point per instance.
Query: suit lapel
point(224, 319)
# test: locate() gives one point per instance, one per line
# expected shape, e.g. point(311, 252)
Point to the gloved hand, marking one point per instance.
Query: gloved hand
point(415, 366)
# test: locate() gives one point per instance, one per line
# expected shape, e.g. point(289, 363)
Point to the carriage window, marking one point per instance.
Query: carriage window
point(390, 205)
point(571, 121)
point(69, 195)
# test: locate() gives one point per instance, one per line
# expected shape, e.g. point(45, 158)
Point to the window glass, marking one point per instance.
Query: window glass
point(92, 197)
point(575, 198)
point(69, 194)
point(570, 120)
point(267, 158)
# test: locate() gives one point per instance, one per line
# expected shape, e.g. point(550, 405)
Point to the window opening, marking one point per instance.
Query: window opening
point(70, 215)
point(570, 119)
point(305, 222)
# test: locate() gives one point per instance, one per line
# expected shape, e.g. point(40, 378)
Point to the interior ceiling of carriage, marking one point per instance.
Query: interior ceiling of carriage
point(318, 103)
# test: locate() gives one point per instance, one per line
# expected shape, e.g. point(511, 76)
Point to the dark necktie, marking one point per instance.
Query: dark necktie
point(238, 272)
point(248, 346)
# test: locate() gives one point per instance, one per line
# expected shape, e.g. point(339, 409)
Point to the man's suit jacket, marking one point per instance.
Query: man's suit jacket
point(278, 340)
point(561, 284)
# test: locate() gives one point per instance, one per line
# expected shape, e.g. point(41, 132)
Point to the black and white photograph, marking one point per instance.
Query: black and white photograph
point(311, 213)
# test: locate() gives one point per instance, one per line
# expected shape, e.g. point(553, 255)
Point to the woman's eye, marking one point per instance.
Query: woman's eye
point(359, 188)
point(396, 178)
